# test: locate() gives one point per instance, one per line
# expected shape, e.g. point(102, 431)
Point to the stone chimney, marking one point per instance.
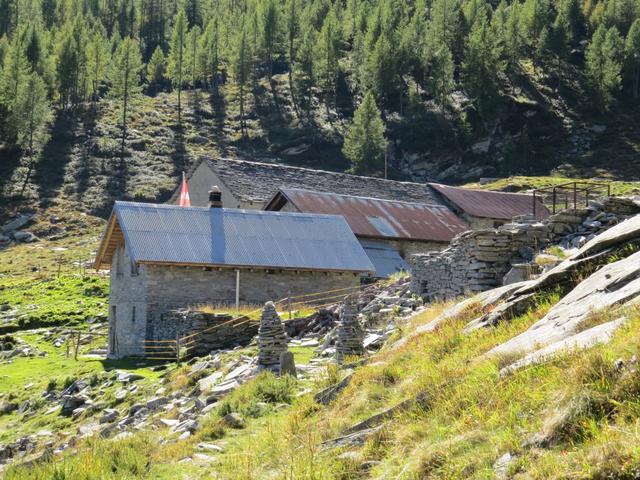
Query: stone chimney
point(215, 197)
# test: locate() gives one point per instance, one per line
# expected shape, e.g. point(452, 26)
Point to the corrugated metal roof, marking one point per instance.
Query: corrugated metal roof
point(229, 237)
point(379, 218)
point(385, 258)
point(489, 204)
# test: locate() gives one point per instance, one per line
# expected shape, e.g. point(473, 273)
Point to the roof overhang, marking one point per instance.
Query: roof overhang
point(112, 238)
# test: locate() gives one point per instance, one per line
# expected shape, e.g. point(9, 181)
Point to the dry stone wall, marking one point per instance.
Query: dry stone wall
point(478, 260)
point(214, 330)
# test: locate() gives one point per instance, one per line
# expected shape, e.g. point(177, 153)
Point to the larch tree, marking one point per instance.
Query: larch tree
point(124, 77)
point(156, 68)
point(481, 65)
point(14, 72)
point(270, 28)
point(365, 143)
point(441, 78)
point(31, 116)
point(177, 54)
point(632, 58)
point(193, 44)
point(98, 54)
point(327, 57)
point(604, 64)
point(241, 68)
point(293, 29)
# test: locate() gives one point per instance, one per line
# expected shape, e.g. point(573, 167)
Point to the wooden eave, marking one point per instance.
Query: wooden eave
point(111, 240)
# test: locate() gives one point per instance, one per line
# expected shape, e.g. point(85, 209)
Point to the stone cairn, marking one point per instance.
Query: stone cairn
point(272, 340)
point(350, 335)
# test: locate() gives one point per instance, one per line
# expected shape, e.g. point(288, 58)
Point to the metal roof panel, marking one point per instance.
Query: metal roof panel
point(380, 218)
point(490, 204)
point(252, 238)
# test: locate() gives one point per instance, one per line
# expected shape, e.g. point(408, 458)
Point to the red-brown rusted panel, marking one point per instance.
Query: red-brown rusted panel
point(378, 218)
point(489, 204)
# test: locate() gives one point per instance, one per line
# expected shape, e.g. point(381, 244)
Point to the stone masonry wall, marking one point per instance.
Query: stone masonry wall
point(478, 260)
point(171, 288)
point(214, 330)
point(127, 306)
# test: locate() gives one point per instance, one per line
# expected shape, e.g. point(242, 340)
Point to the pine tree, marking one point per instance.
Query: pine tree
point(124, 76)
point(632, 57)
point(177, 53)
point(156, 68)
point(365, 143)
point(30, 117)
point(604, 64)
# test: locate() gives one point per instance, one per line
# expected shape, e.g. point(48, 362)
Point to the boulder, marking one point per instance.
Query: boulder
point(25, 237)
point(234, 420)
point(613, 284)
point(287, 364)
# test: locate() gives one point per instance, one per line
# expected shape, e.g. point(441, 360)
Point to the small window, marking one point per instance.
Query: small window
point(133, 313)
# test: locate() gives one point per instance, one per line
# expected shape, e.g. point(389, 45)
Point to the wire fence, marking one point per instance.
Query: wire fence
point(177, 350)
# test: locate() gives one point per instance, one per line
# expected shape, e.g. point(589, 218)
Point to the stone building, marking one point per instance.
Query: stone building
point(389, 230)
point(165, 257)
point(485, 208)
point(250, 185)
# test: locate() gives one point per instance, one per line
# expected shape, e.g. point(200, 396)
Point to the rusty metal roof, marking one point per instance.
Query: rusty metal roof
point(489, 204)
point(377, 218)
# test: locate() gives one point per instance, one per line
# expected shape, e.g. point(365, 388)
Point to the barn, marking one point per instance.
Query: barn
point(486, 208)
point(389, 230)
point(250, 185)
point(164, 257)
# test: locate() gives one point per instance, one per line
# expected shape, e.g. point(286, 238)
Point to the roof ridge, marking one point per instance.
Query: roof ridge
point(244, 211)
point(313, 170)
point(377, 199)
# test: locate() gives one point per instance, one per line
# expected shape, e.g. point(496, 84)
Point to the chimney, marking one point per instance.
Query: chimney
point(215, 197)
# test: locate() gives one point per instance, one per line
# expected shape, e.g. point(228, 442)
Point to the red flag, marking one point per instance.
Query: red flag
point(183, 199)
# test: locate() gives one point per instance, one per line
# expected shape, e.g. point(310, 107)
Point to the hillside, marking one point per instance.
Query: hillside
point(459, 91)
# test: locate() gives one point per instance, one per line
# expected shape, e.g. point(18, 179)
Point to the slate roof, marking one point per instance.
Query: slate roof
point(377, 218)
point(259, 181)
point(168, 234)
point(490, 204)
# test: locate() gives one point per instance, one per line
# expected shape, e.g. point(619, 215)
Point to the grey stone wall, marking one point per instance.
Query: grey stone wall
point(406, 248)
point(156, 290)
point(476, 260)
point(127, 291)
point(211, 331)
point(479, 259)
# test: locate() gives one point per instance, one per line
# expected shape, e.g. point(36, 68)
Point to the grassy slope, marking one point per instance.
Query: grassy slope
point(527, 183)
point(51, 282)
point(472, 418)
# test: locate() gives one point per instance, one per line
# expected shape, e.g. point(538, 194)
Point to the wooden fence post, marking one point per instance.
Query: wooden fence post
point(75, 353)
